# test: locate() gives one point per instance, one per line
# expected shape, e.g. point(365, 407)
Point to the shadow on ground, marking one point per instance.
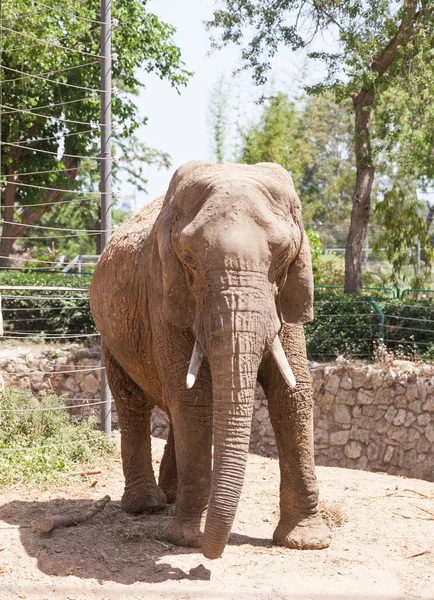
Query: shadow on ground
point(113, 546)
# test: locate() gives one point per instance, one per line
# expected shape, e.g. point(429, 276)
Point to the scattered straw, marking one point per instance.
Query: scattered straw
point(333, 513)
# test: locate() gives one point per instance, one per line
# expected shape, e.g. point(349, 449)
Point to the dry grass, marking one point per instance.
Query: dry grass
point(333, 513)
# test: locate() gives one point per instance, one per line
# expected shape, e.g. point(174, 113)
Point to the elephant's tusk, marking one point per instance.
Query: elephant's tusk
point(194, 366)
point(282, 362)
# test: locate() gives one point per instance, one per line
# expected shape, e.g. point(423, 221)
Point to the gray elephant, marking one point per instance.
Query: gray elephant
point(196, 297)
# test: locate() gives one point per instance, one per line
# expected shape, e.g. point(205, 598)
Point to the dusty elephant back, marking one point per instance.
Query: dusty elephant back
point(130, 237)
point(118, 292)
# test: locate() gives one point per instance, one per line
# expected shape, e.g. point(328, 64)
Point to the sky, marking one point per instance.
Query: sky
point(178, 122)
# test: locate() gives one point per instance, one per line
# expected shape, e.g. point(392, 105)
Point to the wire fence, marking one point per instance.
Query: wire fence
point(364, 327)
point(41, 301)
point(21, 138)
point(342, 325)
point(52, 120)
point(41, 171)
point(354, 327)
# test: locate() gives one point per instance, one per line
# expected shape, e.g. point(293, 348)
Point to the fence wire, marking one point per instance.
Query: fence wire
point(69, 139)
point(342, 327)
point(351, 327)
point(348, 327)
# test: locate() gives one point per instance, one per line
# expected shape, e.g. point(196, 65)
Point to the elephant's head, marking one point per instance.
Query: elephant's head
point(235, 266)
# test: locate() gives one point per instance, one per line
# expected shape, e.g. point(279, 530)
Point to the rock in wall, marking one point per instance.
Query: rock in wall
point(72, 372)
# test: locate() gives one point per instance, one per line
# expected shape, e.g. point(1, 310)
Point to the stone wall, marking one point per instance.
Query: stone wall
point(78, 379)
point(372, 417)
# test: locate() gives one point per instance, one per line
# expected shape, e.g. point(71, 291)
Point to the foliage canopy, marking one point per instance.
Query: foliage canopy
point(310, 137)
point(50, 96)
point(382, 50)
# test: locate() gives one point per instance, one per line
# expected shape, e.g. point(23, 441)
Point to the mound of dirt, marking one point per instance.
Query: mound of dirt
point(383, 544)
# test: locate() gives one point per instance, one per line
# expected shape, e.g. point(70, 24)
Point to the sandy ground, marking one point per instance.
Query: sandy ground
point(383, 549)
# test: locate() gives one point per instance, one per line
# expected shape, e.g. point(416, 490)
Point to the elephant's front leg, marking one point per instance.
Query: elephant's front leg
point(291, 413)
point(191, 415)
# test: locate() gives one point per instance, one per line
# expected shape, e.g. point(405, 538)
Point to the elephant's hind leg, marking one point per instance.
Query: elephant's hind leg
point(168, 477)
point(134, 411)
point(291, 414)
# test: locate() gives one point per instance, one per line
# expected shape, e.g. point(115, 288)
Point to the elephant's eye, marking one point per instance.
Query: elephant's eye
point(188, 259)
point(189, 264)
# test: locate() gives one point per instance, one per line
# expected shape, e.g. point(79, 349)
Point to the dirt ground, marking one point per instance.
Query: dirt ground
point(383, 548)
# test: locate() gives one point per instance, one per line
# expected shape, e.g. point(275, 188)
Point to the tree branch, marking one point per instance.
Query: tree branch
point(17, 151)
point(429, 218)
point(381, 64)
point(65, 520)
point(29, 215)
point(319, 8)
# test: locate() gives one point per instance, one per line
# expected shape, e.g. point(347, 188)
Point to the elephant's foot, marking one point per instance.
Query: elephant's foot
point(183, 534)
point(143, 498)
point(170, 491)
point(309, 533)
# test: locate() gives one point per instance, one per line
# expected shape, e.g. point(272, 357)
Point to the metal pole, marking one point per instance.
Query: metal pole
point(1, 105)
point(106, 174)
point(418, 252)
point(382, 322)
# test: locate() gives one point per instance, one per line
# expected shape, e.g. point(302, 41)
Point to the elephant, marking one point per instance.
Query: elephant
point(197, 297)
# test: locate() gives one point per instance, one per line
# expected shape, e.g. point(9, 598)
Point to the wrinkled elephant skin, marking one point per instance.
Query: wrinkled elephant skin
point(221, 265)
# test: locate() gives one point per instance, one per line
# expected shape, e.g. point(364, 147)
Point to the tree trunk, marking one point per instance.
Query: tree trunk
point(6, 245)
point(8, 234)
point(362, 193)
point(428, 222)
point(362, 103)
point(429, 218)
point(28, 215)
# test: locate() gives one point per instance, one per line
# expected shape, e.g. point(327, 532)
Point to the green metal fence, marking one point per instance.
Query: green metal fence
point(367, 325)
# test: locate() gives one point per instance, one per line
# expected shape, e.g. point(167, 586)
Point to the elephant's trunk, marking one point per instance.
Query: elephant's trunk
point(235, 348)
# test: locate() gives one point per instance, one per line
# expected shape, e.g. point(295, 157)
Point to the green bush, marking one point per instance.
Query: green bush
point(349, 325)
point(38, 445)
point(343, 325)
point(410, 327)
point(50, 312)
point(328, 269)
point(331, 269)
point(316, 251)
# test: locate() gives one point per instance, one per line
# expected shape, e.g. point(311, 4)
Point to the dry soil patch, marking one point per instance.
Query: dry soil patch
point(384, 549)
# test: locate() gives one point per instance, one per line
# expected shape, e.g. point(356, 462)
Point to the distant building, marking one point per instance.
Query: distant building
point(128, 202)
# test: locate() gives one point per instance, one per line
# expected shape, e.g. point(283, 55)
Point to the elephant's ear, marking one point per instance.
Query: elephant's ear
point(179, 304)
point(296, 296)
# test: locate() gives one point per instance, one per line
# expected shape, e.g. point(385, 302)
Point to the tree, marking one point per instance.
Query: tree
point(218, 118)
point(277, 137)
point(50, 100)
point(46, 246)
point(310, 138)
point(377, 41)
point(404, 228)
